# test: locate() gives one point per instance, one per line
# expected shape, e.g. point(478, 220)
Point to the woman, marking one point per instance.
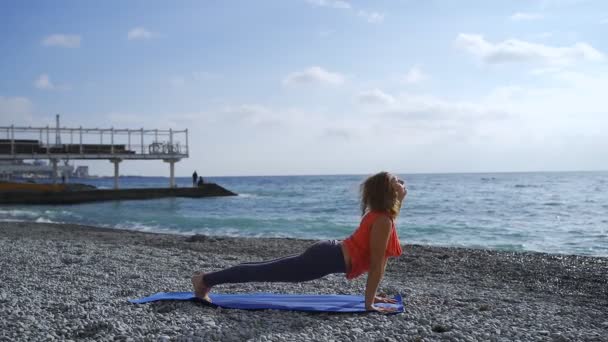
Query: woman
point(366, 250)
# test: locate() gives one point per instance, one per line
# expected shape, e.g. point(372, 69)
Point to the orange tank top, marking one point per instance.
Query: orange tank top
point(358, 248)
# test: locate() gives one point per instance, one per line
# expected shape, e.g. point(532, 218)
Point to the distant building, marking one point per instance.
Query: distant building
point(38, 169)
point(81, 171)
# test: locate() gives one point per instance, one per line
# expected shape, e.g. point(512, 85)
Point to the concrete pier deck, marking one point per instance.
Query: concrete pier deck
point(75, 197)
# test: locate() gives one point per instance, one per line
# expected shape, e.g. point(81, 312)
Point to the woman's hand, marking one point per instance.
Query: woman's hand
point(381, 298)
point(379, 309)
point(401, 190)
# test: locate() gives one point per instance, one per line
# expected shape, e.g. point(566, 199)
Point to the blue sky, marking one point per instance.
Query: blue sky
point(320, 86)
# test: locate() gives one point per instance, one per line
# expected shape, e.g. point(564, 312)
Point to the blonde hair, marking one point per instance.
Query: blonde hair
point(377, 195)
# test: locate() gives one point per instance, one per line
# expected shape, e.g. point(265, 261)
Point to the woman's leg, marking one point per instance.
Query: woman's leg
point(267, 261)
point(318, 260)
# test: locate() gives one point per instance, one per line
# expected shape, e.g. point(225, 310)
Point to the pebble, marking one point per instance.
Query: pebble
point(450, 294)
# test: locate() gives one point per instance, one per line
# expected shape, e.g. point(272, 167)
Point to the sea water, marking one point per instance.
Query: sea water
point(547, 212)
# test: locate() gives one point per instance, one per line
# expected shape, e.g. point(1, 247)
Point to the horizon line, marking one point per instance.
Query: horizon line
point(364, 174)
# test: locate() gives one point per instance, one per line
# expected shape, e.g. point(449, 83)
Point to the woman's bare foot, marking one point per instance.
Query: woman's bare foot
point(201, 290)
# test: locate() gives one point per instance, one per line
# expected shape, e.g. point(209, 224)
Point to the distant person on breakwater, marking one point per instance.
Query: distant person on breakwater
point(194, 178)
point(366, 250)
point(200, 181)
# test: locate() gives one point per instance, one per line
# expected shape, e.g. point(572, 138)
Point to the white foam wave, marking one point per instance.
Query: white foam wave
point(147, 228)
point(19, 213)
point(248, 195)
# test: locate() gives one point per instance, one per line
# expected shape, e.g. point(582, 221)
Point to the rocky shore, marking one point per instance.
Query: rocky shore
point(68, 282)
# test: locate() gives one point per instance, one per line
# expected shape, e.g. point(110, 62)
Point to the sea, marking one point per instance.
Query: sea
point(553, 212)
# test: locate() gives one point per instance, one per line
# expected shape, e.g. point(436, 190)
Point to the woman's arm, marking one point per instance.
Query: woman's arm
point(379, 236)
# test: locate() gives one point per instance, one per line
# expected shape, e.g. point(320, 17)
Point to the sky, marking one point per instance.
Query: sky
point(295, 87)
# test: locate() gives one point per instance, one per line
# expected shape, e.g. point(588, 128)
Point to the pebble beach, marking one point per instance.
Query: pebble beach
point(61, 282)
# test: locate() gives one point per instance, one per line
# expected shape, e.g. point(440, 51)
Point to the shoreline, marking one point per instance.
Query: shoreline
point(66, 281)
point(170, 232)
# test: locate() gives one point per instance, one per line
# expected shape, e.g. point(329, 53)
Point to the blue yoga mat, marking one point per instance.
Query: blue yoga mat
point(294, 302)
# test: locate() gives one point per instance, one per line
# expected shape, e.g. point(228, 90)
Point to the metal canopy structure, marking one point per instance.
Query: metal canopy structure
point(61, 143)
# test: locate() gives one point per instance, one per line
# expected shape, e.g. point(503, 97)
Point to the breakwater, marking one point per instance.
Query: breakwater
point(75, 197)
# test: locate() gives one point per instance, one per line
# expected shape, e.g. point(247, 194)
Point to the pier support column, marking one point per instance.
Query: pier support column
point(54, 175)
point(115, 162)
point(171, 171)
point(66, 170)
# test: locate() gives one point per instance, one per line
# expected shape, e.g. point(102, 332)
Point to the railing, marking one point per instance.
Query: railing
point(90, 141)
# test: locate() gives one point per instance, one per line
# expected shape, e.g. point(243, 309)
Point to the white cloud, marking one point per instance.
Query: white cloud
point(514, 50)
point(560, 3)
point(543, 35)
point(605, 21)
point(430, 108)
point(521, 16)
point(44, 82)
point(202, 76)
point(415, 75)
point(570, 95)
point(375, 96)
point(325, 33)
point(372, 17)
point(62, 40)
point(313, 75)
point(251, 114)
point(15, 111)
point(140, 33)
point(177, 81)
point(330, 3)
point(337, 134)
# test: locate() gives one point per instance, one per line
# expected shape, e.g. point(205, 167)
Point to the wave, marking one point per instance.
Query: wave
point(526, 186)
point(44, 220)
point(19, 213)
point(242, 195)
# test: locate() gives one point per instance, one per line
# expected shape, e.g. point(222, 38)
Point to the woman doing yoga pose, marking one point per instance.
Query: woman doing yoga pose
point(366, 250)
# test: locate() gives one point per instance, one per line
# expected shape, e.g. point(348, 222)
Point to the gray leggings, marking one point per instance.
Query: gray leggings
point(318, 260)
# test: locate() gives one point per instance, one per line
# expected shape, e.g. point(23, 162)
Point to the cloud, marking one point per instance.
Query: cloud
point(313, 75)
point(15, 111)
point(605, 21)
point(140, 33)
point(415, 75)
point(177, 81)
point(570, 95)
point(325, 33)
point(543, 35)
point(337, 133)
point(522, 16)
point(251, 114)
point(339, 4)
point(62, 40)
point(371, 17)
point(375, 96)
point(515, 51)
point(432, 109)
point(44, 82)
point(560, 3)
point(203, 76)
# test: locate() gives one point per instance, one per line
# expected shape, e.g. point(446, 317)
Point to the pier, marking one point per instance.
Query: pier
point(57, 144)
